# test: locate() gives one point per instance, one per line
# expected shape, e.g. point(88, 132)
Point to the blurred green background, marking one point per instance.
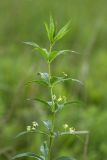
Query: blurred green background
point(23, 20)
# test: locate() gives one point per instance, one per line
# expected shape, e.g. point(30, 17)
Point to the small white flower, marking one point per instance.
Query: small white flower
point(28, 128)
point(71, 130)
point(33, 128)
point(64, 74)
point(65, 126)
point(59, 99)
point(35, 124)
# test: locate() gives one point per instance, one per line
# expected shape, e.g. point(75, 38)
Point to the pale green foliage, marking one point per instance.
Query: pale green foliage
point(55, 104)
point(63, 31)
point(28, 154)
point(44, 149)
point(51, 31)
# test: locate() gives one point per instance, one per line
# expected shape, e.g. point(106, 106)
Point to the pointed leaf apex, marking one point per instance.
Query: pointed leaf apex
point(63, 31)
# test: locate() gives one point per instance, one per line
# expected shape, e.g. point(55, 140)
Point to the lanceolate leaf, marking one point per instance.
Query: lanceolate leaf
point(44, 53)
point(52, 29)
point(78, 81)
point(44, 79)
point(48, 31)
point(41, 82)
point(71, 102)
point(44, 149)
point(66, 51)
point(28, 154)
point(54, 54)
point(21, 134)
point(32, 44)
point(32, 131)
point(39, 100)
point(60, 106)
point(56, 80)
point(73, 133)
point(63, 31)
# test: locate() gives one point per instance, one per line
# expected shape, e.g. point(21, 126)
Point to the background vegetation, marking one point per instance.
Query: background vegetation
point(23, 21)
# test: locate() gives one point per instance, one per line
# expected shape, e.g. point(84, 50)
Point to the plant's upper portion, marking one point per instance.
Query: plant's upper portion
point(52, 33)
point(53, 36)
point(54, 104)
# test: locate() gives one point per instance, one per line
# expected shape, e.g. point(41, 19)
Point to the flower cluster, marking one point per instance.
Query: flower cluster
point(67, 129)
point(64, 74)
point(32, 127)
point(61, 99)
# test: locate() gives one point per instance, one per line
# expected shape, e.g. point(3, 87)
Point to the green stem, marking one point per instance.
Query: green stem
point(53, 113)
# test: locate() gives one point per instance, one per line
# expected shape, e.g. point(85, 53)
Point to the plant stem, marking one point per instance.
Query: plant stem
point(53, 113)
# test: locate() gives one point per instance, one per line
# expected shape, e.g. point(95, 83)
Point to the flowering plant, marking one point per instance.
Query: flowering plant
point(54, 104)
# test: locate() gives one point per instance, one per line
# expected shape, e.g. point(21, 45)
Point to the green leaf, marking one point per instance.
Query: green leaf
point(32, 131)
point(32, 44)
point(44, 149)
point(73, 133)
point(61, 105)
point(44, 53)
point(63, 31)
point(28, 154)
point(21, 134)
point(54, 54)
point(65, 158)
point(66, 51)
point(41, 82)
point(71, 102)
point(39, 100)
point(56, 80)
point(48, 124)
point(50, 30)
point(78, 81)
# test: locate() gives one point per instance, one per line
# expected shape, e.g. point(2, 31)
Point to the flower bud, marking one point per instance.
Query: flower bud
point(65, 126)
point(28, 128)
point(35, 124)
point(33, 128)
point(71, 130)
point(59, 99)
point(64, 74)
